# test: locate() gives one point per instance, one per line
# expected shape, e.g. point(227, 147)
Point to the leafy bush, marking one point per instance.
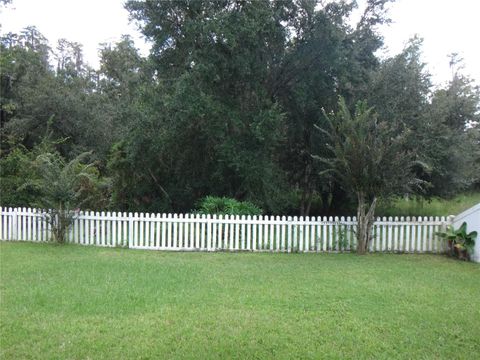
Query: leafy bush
point(15, 171)
point(226, 206)
point(43, 178)
point(64, 187)
point(460, 242)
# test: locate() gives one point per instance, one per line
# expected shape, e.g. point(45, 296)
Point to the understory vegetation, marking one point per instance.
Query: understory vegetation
point(419, 206)
point(81, 302)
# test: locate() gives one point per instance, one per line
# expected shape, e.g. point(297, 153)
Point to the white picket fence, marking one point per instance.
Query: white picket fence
point(194, 232)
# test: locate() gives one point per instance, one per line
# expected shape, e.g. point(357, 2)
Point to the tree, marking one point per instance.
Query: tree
point(41, 177)
point(400, 90)
point(64, 188)
point(33, 93)
point(243, 82)
point(124, 81)
point(450, 137)
point(368, 159)
point(214, 127)
point(324, 57)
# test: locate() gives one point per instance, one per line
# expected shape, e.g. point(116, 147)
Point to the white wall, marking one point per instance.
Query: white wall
point(472, 218)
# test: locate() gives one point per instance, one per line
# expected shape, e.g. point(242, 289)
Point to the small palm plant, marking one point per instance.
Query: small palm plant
point(65, 186)
point(461, 243)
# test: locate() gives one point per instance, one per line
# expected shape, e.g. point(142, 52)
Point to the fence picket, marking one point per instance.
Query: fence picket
point(34, 225)
point(146, 231)
point(2, 224)
point(262, 233)
point(175, 232)
point(272, 228)
point(292, 234)
point(420, 240)
point(248, 235)
point(438, 247)
point(4, 221)
point(431, 234)
point(88, 228)
point(168, 225)
point(227, 234)
point(219, 233)
point(413, 241)
point(282, 234)
point(190, 231)
point(209, 232)
point(254, 233)
point(307, 237)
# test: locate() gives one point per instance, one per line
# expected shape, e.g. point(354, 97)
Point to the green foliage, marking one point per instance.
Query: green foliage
point(15, 170)
point(368, 159)
point(64, 188)
point(451, 146)
point(42, 178)
point(366, 155)
point(226, 102)
point(439, 123)
point(226, 206)
point(459, 240)
point(217, 129)
point(433, 206)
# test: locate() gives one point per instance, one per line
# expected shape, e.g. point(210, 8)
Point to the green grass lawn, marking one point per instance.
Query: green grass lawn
point(74, 302)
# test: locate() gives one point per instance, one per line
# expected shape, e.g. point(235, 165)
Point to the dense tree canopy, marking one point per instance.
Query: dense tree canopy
point(226, 105)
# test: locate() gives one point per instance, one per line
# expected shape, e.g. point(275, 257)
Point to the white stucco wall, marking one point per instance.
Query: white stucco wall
point(472, 218)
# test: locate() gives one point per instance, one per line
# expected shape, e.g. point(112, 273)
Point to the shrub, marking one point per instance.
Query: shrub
point(461, 243)
point(226, 206)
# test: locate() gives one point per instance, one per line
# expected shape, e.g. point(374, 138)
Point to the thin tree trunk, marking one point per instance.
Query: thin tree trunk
point(365, 220)
point(307, 193)
point(162, 189)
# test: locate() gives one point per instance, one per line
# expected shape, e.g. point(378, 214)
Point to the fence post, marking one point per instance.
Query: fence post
point(130, 229)
point(14, 224)
point(209, 233)
point(2, 226)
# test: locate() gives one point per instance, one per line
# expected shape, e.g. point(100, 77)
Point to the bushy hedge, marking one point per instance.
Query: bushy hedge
point(226, 206)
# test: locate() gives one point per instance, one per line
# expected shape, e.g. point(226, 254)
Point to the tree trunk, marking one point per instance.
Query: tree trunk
point(365, 220)
point(307, 186)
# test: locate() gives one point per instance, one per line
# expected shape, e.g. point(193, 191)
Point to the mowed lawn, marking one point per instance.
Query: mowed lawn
point(74, 302)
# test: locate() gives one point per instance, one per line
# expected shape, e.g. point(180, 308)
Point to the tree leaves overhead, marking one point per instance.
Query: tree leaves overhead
point(226, 105)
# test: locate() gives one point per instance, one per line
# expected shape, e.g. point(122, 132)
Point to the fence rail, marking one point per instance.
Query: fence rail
point(194, 232)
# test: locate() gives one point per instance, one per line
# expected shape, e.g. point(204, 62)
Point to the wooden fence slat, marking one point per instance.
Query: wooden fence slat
point(146, 231)
point(263, 233)
point(89, 228)
point(294, 233)
point(271, 235)
point(248, 235)
point(4, 224)
point(209, 232)
point(174, 234)
point(430, 234)
point(283, 234)
point(307, 237)
point(222, 243)
point(420, 239)
point(255, 227)
point(168, 239)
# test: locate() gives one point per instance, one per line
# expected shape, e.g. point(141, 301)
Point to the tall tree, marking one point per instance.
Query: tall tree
point(451, 141)
point(324, 58)
point(368, 158)
point(218, 128)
